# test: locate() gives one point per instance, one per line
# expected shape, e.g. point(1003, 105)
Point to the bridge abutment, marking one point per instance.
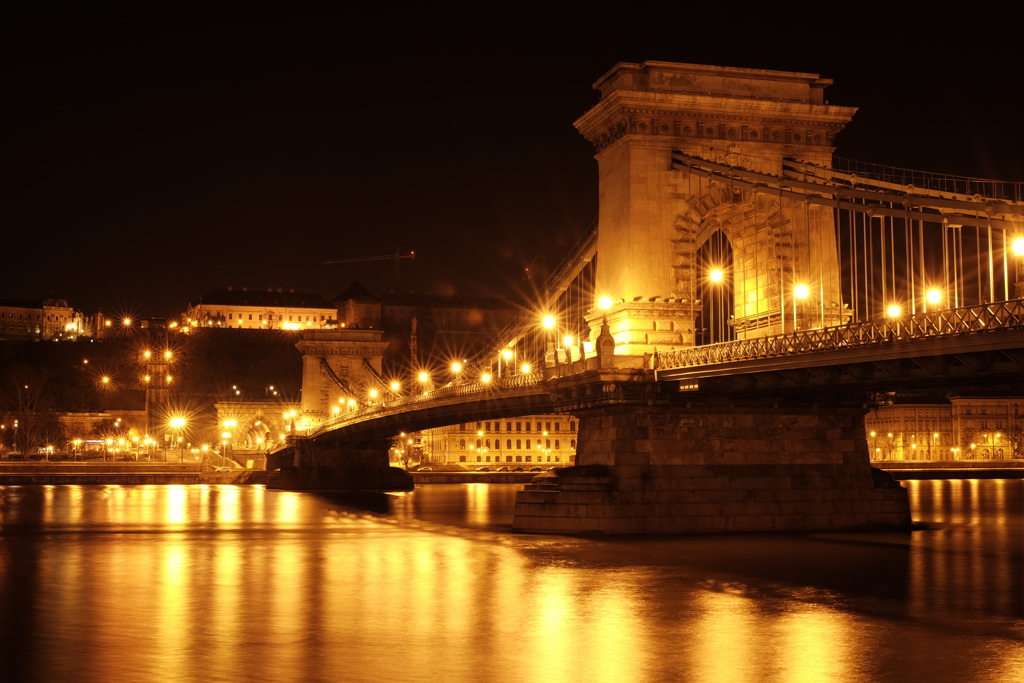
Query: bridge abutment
point(353, 466)
point(716, 465)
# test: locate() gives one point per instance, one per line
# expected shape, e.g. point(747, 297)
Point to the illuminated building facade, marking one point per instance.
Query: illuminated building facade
point(959, 428)
point(258, 310)
point(526, 441)
point(41, 319)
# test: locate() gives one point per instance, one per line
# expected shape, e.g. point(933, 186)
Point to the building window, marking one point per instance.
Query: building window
point(528, 459)
point(488, 443)
point(519, 444)
point(508, 458)
point(508, 426)
point(519, 426)
point(558, 426)
point(538, 427)
point(527, 444)
point(462, 444)
point(572, 444)
point(572, 425)
point(547, 426)
point(557, 444)
point(497, 444)
point(478, 443)
point(488, 427)
point(547, 443)
point(250, 316)
point(480, 458)
point(462, 458)
point(508, 444)
point(519, 458)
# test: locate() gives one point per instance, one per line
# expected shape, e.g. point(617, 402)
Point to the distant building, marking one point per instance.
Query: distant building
point(258, 310)
point(41, 319)
point(527, 441)
point(957, 428)
point(425, 331)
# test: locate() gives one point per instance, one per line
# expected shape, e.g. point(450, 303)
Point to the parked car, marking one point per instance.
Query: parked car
point(502, 469)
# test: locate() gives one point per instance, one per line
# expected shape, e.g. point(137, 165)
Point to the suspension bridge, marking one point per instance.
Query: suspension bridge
point(720, 331)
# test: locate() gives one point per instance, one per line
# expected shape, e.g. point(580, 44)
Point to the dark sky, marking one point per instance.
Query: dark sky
point(152, 153)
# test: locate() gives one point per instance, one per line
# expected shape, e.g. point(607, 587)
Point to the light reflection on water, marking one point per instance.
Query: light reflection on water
point(224, 583)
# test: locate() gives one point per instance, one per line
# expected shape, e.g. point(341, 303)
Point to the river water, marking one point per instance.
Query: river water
point(237, 583)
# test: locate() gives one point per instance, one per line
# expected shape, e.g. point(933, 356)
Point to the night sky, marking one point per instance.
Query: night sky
point(152, 153)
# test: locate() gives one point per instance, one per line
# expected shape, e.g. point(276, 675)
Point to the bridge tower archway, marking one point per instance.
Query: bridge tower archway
point(652, 212)
point(716, 290)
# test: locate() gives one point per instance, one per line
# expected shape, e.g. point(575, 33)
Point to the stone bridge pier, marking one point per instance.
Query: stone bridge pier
point(354, 465)
point(650, 463)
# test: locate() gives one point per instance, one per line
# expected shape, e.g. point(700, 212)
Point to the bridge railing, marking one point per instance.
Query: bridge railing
point(447, 391)
point(986, 317)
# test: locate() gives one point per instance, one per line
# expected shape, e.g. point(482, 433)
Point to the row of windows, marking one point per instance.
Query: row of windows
point(486, 443)
point(231, 316)
point(982, 424)
point(541, 426)
point(18, 328)
point(508, 458)
point(984, 411)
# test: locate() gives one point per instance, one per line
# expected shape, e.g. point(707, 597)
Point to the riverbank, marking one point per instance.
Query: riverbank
point(954, 469)
point(132, 473)
point(123, 473)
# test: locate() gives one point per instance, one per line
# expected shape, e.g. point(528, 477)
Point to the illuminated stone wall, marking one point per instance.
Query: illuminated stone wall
point(653, 219)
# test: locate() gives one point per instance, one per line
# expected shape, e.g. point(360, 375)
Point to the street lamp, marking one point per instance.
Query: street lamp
point(800, 292)
point(548, 322)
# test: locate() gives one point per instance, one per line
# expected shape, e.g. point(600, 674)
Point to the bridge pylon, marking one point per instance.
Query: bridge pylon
point(663, 232)
point(339, 370)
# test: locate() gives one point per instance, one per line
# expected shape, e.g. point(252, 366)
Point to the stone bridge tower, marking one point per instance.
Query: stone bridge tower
point(338, 364)
point(656, 223)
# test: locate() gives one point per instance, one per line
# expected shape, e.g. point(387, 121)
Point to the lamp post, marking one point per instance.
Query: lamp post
point(176, 424)
point(1018, 250)
point(549, 341)
point(800, 292)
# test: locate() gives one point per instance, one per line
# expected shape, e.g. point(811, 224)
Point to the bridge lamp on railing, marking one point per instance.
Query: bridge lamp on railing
point(567, 342)
point(604, 303)
point(526, 369)
point(933, 297)
point(893, 311)
point(800, 292)
point(485, 378)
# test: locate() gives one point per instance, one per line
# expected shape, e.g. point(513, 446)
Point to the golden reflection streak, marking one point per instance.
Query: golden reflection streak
point(820, 644)
point(171, 612)
point(48, 512)
point(223, 617)
point(287, 509)
point(478, 504)
point(724, 626)
point(175, 504)
point(228, 506)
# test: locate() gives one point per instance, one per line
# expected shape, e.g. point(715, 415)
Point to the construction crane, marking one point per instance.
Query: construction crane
point(396, 257)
